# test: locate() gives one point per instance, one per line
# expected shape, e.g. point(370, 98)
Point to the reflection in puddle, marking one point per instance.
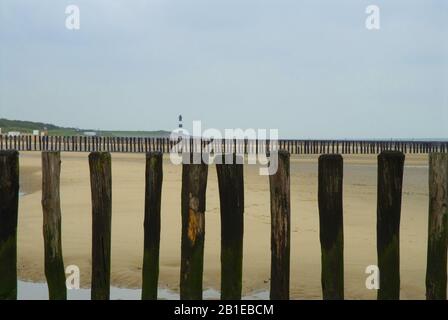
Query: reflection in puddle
point(39, 291)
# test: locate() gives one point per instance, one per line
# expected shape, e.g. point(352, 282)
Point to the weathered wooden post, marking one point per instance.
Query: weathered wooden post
point(331, 225)
point(231, 196)
point(280, 227)
point(194, 185)
point(153, 195)
point(436, 275)
point(390, 180)
point(9, 202)
point(101, 188)
point(51, 205)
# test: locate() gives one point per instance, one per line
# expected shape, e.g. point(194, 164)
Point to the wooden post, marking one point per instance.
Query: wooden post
point(390, 180)
point(153, 194)
point(436, 276)
point(9, 201)
point(331, 226)
point(194, 184)
point(51, 205)
point(231, 196)
point(101, 187)
point(280, 228)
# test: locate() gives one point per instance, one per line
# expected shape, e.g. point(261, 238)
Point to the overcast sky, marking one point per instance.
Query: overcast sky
point(308, 68)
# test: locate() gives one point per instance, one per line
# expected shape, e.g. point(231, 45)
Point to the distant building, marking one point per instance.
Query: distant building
point(0, 130)
point(13, 133)
point(90, 133)
point(36, 132)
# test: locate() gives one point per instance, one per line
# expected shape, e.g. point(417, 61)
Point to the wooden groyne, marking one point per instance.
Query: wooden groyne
point(164, 145)
point(231, 192)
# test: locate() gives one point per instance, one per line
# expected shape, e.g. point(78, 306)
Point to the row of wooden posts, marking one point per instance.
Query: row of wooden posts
point(231, 192)
point(245, 146)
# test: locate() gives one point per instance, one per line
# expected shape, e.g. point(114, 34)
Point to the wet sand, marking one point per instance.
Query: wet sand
point(127, 224)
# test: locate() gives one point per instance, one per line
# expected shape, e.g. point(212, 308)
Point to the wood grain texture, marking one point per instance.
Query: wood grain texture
point(9, 202)
point(390, 182)
point(153, 195)
point(101, 188)
point(436, 274)
point(231, 196)
point(330, 186)
point(279, 183)
point(51, 207)
point(194, 185)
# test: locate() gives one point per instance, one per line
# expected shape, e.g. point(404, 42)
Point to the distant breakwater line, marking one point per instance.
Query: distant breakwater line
point(240, 146)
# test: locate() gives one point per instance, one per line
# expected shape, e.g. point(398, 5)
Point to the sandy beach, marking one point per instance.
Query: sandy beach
point(127, 224)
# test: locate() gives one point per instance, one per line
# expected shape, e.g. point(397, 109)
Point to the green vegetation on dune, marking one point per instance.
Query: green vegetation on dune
point(27, 127)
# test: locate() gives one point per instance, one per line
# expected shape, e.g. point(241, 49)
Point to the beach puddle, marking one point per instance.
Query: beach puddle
point(39, 291)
